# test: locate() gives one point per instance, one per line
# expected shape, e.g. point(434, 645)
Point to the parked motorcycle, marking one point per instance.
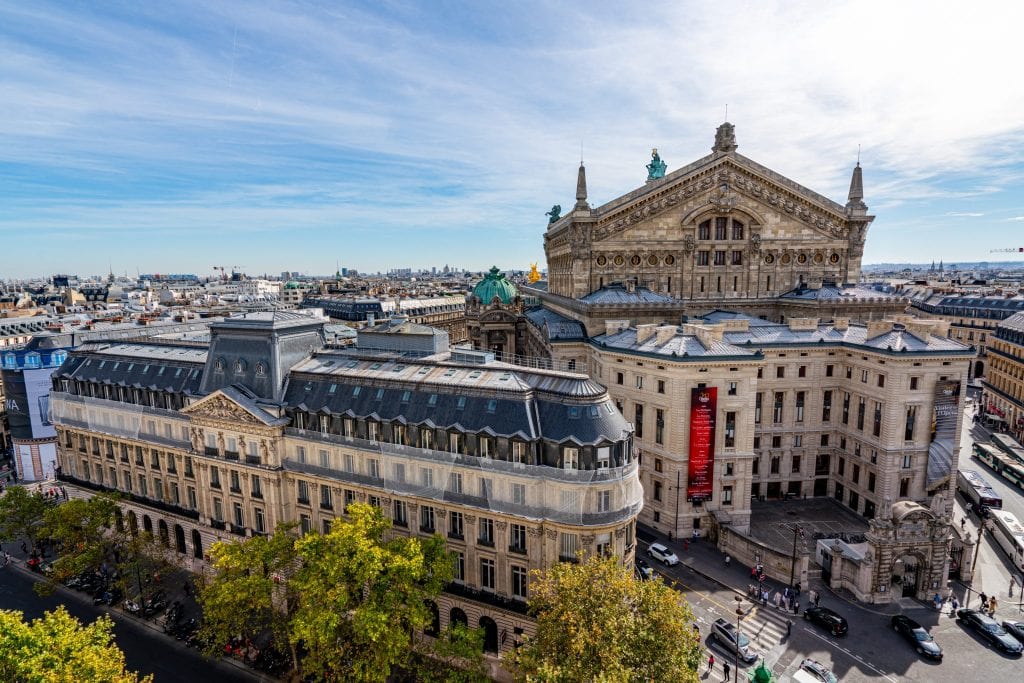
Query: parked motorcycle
point(132, 607)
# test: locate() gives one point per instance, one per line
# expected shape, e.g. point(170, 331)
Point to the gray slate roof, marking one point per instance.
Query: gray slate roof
point(680, 345)
point(556, 326)
point(1015, 322)
point(618, 294)
point(832, 292)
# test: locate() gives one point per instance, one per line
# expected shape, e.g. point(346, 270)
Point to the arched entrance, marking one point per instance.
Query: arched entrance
point(434, 627)
point(119, 519)
point(133, 522)
point(179, 539)
point(906, 573)
point(197, 544)
point(457, 616)
point(490, 634)
point(979, 369)
point(165, 536)
point(147, 524)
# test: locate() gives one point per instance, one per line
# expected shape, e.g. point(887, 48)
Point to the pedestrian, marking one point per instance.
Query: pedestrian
point(963, 523)
point(728, 560)
point(7, 558)
point(711, 663)
point(817, 598)
point(778, 599)
point(796, 607)
point(789, 627)
point(24, 548)
point(984, 601)
point(725, 667)
point(992, 604)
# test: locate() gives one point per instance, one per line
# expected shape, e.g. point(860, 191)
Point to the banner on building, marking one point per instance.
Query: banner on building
point(703, 412)
point(946, 413)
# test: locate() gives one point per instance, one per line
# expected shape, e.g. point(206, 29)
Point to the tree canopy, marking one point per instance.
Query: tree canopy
point(597, 622)
point(361, 597)
point(58, 649)
point(21, 512)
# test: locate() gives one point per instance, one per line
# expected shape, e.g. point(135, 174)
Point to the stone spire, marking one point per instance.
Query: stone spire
point(581, 189)
point(856, 198)
point(725, 139)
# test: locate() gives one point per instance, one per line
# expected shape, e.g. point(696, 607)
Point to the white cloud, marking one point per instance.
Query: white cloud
point(964, 214)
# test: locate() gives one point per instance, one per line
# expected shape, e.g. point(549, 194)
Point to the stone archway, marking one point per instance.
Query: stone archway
point(490, 628)
point(179, 539)
point(907, 572)
point(197, 544)
point(147, 524)
point(162, 532)
point(457, 616)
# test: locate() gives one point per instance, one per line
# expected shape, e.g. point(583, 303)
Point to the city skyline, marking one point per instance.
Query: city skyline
point(275, 135)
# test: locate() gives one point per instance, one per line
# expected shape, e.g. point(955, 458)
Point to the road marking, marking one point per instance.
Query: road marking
point(847, 652)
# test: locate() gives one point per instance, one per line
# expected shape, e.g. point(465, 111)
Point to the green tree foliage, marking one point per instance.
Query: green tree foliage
point(361, 598)
point(83, 526)
point(248, 594)
point(21, 514)
point(58, 649)
point(455, 656)
point(596, 622)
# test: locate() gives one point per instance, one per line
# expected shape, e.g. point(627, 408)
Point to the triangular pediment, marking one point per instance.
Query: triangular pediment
point(231, 405)
point(744, 178)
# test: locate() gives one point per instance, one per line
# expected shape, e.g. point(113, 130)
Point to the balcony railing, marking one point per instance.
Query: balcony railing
point(486, 597)
point(134, 497)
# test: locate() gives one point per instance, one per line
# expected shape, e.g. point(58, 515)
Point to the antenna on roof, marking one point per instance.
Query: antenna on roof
point(581, 150)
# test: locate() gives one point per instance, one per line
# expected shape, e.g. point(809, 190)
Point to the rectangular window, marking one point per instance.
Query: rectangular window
point(846, 408)
point(800, 405)
point(904, 487)
point(774, 464)
point(460, 567)
point(861, 409)
point(158, 488)
point(757, 408)
point(796, 464)
point(518, 493)
point(732, 388)
point(619, 378)
point(638, 423)
point(780, 397)
point(604, 457)
point(236, 486)
point(570, 458)
point(568, 545)
point(305, 524)
point(828, 370)
point(659, 426)
point(326, 498)
point(303, 492)
point(726, 495)
point(798, 440)
point(801, 371)
point(657, 490)
point(604, 501)
point(188, 467)
point(261, 524)
point(824, 439)
point(913, 383)
point(639, 381)
point(325, 459)
point(721, 224)
point(730, 429)
point(856, 473)
point(373, 468)
point(661, 386)
point(720, 258)
point(907, 462)
point(519, 582)
point(427, 519)
point(826, 406)
point(908, 430)
point(704, 231)
point(487, 573)
point(777, 441)
point(876, 423)
point(427, 477)
point(455, 482)
point(218, 510)
point(192, 502)
point(486, 529)
point(455, 525)
point(398, 513)
point(737, 258)
point(517, 538)
point(239, 518)
point(881, 380)
point(871, 481)
point(257, 486)
point(780, 371)
point(703, 258)
point(400, 472)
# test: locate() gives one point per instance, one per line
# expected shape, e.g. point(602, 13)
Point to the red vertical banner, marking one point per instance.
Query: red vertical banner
point(703, 411)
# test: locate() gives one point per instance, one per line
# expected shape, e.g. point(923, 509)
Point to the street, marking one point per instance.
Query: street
point(146, 651)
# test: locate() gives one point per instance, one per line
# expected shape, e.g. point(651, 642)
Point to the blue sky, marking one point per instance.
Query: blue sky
point(174, 136)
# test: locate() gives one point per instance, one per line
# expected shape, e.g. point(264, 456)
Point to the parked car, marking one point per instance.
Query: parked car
point(812, 671)
point(725, 634)
point(1015, 629)
point(917, 635)
point(662, 554)
point(823, 616)
point(989, 630)
point(644, 571)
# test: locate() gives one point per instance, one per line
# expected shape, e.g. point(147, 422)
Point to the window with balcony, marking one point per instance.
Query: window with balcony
point(487, 573)
point(399, 515)
point(517, 538)
point(485, 527)
point(427, 519)
point(236, 484)
point(326, 500)
point(303, 492)
point(519, 582)
point(455, 525)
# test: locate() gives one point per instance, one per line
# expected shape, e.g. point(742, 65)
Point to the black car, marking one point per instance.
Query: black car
point(644, 571)
point(990, 631)
point(1015, 629)
point(918, 636)
point(825, 617)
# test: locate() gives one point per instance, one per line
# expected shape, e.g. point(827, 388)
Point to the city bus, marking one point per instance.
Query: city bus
point(1009, 445)
point(1009, 533)
point(1004, 465)
point(977, 491)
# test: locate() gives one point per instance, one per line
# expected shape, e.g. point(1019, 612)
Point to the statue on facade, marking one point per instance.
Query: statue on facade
point(197, 439)
point(656, 169)
point(534, 274)
point(555, 213)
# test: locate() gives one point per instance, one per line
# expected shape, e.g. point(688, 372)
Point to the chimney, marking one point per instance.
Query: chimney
point(878, 327)
point(614, 326)
point(803, 324)
point(665, 333)
point(644, 332)
point(841, 323)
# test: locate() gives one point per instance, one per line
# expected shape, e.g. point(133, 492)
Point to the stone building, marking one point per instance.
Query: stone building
point(494, 316)
point(516, 468)
point(1003, 395)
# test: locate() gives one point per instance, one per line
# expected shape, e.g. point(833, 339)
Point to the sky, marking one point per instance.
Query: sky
point(175, 136)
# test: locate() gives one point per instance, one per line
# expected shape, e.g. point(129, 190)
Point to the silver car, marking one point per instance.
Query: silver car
point(662, 554)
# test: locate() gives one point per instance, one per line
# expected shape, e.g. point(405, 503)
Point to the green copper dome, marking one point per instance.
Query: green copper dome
point(493, 285)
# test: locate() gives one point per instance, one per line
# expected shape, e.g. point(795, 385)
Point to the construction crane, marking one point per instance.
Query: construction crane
point(221, 269)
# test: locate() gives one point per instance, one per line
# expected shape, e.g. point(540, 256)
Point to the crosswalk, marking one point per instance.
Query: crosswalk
point(767, 626)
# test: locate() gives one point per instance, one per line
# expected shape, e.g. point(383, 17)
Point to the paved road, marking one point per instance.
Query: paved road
point(871, 651)
point(146, 651)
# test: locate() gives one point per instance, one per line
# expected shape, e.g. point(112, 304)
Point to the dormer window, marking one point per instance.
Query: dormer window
point(261, 370)
point(219, 365)
point(239, 366)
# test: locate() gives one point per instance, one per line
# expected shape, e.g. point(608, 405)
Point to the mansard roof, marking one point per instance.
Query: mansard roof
point(556, 326)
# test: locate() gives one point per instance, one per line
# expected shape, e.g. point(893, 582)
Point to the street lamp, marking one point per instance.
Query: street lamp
point(739, 615)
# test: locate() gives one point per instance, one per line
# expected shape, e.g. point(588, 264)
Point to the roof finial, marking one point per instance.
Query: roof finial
point(725, 139)
point(581, 189)
point(856, 197)
point(858, 155)
point(726, 114)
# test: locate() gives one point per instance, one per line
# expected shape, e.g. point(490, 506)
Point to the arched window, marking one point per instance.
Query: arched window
point(457, 616)
point(147, 524)
point(133, 523)
point(490, 634)
point(163, 533)
point(197, 544)
point(434, 627)
point(179, 539)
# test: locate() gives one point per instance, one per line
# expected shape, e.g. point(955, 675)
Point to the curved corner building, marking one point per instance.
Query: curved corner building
point(517, 468)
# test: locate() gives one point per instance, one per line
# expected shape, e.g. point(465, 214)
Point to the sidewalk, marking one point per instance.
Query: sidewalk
point(705, 559)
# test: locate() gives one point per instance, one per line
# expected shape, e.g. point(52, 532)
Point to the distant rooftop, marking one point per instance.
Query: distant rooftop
point(617, 293)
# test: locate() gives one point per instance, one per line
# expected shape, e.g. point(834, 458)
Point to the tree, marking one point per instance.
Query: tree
point(58, 649)
point(246, 594)
point(362, 598)
point(21, 514)
point(83, 527)
point(597, 622)
point(455, 656)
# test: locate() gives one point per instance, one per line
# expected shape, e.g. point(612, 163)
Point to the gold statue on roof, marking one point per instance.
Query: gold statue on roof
point(534, 274)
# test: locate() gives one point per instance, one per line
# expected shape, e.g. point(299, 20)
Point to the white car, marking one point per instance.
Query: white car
point(662, 554)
